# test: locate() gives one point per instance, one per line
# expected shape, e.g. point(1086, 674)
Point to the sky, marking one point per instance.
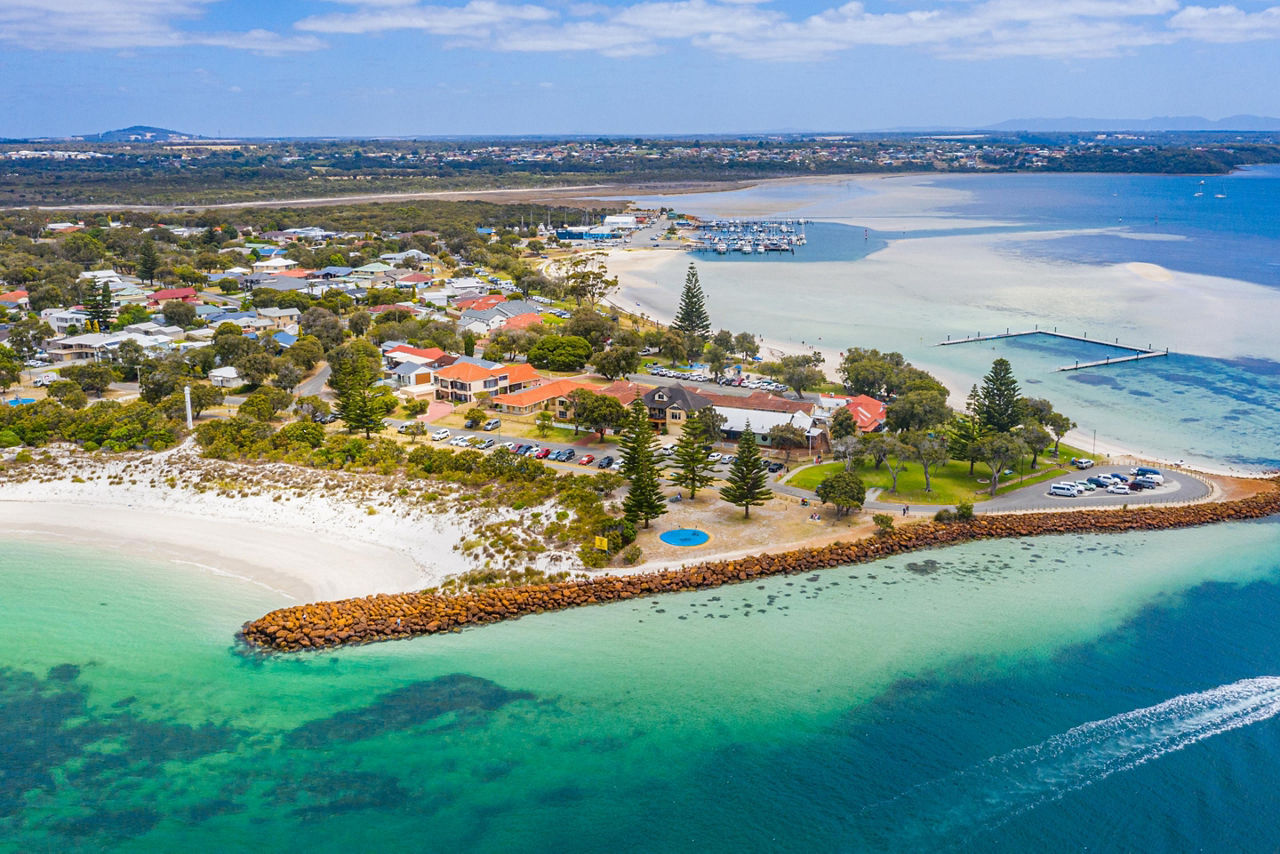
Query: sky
point(474, 67)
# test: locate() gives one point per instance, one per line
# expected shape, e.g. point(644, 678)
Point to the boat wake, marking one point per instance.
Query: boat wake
point(998, 789)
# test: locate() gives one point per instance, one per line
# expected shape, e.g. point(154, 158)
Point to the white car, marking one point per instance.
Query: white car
point(714, 456)
point(1118, 489)
point(460, 441)
point(440, 435)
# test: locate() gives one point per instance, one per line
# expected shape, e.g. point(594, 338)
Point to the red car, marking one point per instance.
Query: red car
point(587, 459)
point(542, 454)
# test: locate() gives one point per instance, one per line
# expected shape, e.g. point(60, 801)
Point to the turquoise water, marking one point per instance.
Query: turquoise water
point(1064, 692)
point(1205, 410)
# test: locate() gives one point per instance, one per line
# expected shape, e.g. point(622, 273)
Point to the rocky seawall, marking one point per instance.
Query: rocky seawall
point(370, 619)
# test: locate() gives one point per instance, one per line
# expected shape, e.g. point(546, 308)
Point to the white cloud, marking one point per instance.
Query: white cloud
point(757, 29)
point(1227, 24)
point(127, 25)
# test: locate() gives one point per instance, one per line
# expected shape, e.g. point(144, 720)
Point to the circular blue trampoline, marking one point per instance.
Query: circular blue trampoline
point(684, 537)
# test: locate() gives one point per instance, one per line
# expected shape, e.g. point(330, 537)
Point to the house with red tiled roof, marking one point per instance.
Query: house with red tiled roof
point(521, 321)
point(168, 294)
point(468, 378)
point(868, 413)
point(431, 356)
point(760, 401)
point(483, 302)
point(552, 397)
point(624, 391)
point(18, 298)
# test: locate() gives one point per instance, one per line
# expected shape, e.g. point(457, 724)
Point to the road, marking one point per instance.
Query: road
point(316, 384)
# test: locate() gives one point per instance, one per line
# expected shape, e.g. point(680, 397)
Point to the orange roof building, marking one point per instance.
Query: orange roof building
point(552, 397)
point(465, 380)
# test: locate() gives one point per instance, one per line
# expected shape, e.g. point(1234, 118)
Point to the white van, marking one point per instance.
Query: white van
point(1068, 490)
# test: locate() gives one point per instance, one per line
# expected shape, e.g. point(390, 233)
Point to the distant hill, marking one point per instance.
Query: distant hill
point(140, 133)
point(1159, 123)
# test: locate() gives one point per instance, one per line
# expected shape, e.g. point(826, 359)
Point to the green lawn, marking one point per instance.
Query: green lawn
point(951, 483)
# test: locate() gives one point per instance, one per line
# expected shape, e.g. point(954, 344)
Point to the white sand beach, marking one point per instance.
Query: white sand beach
point(308, 542)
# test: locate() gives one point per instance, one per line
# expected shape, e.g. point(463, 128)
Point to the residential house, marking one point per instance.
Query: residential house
point(281, 318)
point(671, 406)
point(164, 295)
point(868, 413)
point(99, 345)
point(624, 391)
point(467, 379)
point(62, 319)
point(273, 265)
point(735, 421)
point(15, 299)
point(552, 397)
point(227, 377)
point(481, 302)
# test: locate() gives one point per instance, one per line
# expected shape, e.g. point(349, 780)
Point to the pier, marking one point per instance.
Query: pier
point(1135, 353)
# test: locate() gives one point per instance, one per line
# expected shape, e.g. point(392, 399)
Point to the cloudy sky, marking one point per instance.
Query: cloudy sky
point(401, 67)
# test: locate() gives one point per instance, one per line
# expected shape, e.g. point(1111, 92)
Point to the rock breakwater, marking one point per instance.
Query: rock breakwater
point(370, 619)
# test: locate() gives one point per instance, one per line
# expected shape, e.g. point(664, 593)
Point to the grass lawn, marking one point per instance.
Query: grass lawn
point(951, 483)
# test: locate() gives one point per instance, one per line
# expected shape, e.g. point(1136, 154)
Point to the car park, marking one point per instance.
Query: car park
point(440, 435)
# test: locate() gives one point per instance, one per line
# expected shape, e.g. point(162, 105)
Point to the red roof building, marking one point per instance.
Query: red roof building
point(168, 294)
point(480, 303)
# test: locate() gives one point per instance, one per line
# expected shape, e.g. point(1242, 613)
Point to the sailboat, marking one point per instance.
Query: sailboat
point(1200, 193)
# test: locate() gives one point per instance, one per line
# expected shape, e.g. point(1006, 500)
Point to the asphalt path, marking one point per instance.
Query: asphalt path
point(1178, 487)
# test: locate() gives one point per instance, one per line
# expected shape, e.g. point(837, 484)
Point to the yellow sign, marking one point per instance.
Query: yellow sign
point(602, 543)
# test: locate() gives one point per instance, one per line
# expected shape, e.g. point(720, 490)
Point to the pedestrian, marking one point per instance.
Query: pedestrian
point(905, 508)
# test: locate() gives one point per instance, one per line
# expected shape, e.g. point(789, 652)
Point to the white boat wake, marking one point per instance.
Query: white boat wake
point(998, 789)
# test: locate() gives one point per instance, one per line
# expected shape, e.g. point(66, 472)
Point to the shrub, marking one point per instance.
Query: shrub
point(964, 511)
point(944, 515)
point(631, 555)
point(9, 439)
point(24, 456)
point(884, 523)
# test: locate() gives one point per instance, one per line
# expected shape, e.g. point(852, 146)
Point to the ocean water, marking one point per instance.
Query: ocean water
point(1109, 693)
point(1211, 411)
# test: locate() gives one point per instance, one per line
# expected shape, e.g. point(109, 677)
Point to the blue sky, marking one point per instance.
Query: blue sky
point(403, 67)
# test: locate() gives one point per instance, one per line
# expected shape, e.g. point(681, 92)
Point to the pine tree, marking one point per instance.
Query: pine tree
point(148, 261)
point(693, 469)
point(747, 481)
point(644, 499)
point(637, 440)
point(998, 398)
point(98, 305)
point(691, 317)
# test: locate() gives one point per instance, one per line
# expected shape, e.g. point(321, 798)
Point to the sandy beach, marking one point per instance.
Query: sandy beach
point(308, 541)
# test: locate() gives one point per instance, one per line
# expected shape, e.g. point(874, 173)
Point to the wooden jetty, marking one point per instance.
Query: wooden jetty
point(1134, 353)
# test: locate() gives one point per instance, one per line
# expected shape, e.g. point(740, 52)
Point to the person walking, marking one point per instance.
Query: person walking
point(905, 508)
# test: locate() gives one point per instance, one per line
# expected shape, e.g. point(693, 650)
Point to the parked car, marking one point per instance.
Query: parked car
point(472, 423)
point(1119, 478)
point(492, 424)
point(1141, 470)
point(1119, 489)
point(460, 441)
point(714, 456)
point(486, 444)
point(1134, 486)
point(1082, 463)
point(542, 453)
point(605, 462)
point(1148, 482)
point(1085, 485)
point(774, 468)
point(587, 459)
point(1101, 481)
point(1065, 490)
point(440, 435)
point(568, 454)
point(44, 380)
point(729, 460)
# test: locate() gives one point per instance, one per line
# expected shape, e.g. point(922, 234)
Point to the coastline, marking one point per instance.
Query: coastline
point(304, 534)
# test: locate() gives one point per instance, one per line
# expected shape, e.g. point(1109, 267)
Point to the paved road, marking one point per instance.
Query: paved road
point(316, 384)
point(1178, 487)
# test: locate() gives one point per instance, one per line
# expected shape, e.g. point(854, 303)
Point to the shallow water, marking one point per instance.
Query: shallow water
point(819, 712)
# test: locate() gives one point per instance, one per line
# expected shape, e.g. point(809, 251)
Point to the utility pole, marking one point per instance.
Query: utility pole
point(186, 394)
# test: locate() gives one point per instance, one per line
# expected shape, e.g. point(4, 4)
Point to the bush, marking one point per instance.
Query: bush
point(944, 515)
point(884, 523)
point(9, 439)
point(964, 511)
point(631, 555)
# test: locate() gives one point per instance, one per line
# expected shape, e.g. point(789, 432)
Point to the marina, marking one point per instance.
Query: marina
point(748, 237)
point(1134, 353)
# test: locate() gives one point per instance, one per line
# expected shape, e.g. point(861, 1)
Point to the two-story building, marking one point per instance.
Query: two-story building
point(470, 380)
point(670, 406)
